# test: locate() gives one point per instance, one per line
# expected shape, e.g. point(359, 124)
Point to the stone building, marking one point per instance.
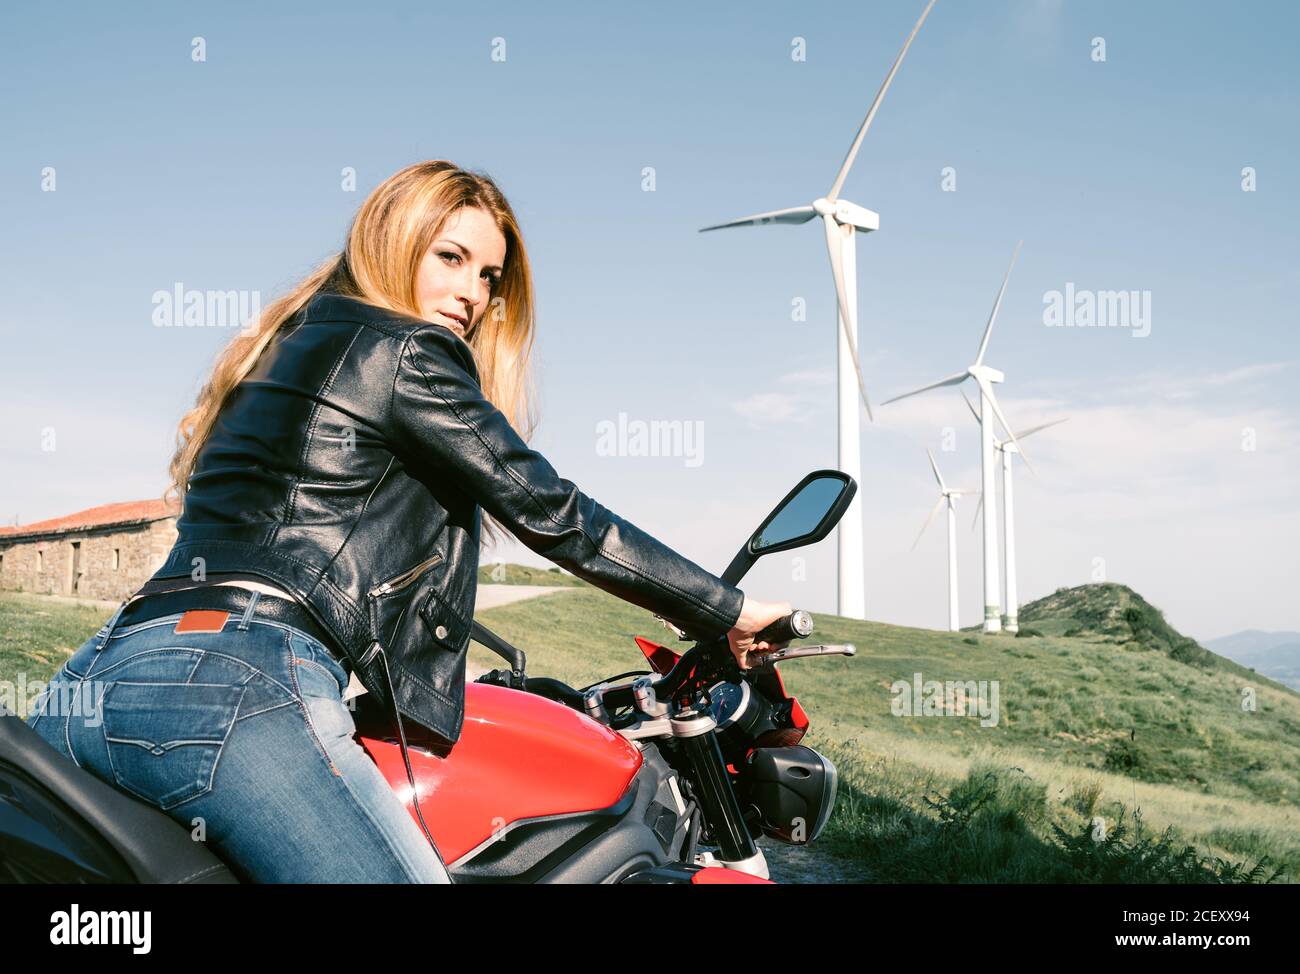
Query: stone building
point(105, 552)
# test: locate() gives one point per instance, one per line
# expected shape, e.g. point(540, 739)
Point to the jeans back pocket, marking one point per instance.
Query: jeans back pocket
point(164, 739)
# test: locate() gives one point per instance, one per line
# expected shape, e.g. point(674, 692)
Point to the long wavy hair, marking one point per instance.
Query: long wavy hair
point(389, 236)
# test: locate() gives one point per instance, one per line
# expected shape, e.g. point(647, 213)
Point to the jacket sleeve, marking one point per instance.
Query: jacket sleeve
point(443, 425)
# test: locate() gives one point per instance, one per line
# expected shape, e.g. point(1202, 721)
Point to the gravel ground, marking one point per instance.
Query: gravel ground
point(808, 864)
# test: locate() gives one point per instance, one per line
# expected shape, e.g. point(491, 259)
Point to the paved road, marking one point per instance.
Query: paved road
point(491, 596)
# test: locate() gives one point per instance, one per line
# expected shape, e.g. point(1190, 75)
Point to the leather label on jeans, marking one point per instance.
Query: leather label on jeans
point(202, 620)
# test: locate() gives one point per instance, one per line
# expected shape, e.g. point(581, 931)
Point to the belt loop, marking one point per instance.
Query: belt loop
point(248, 612)
point(106, 633)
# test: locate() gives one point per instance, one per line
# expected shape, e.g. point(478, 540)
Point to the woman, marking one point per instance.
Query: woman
point(332, 473)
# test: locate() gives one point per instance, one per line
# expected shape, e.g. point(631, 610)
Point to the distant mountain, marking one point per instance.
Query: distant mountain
point(1251, 641)
point(1272, 654)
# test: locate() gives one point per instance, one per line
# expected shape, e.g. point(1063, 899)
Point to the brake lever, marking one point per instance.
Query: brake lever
point(795, 652)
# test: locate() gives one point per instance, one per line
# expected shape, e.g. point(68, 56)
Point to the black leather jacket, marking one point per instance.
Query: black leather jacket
point(349, 469)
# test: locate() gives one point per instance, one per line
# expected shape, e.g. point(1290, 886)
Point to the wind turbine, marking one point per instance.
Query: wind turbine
point(946, 495)
point(984, 377)
point(1007, 448)
point(841, 222)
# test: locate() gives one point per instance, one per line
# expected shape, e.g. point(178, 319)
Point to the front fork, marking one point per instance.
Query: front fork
point(693, 735)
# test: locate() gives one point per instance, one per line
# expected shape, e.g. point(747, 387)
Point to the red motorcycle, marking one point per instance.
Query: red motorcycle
point(666, 777)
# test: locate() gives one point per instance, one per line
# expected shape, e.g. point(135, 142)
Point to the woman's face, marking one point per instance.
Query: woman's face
point(456, 277)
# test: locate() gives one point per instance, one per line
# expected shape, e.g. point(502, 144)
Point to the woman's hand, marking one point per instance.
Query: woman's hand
point(755, 616)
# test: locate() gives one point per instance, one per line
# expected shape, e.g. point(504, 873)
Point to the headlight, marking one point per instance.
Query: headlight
point(792, 789)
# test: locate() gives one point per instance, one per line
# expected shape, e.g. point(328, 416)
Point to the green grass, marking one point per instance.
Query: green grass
point(1189, 786)
point(36, 635)
point(1160, 749)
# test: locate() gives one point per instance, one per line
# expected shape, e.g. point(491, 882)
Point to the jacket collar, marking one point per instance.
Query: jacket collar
point(326, 305)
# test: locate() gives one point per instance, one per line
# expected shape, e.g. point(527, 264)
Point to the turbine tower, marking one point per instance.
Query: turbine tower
point(946, 496)
point(841, 222)
point(1011, 604)
point(984, 377)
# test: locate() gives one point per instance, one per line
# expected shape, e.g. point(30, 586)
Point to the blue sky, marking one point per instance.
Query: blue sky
point(1121, 174)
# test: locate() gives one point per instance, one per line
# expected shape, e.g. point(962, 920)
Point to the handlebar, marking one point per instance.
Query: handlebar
point(703, 665)
point(797, 625)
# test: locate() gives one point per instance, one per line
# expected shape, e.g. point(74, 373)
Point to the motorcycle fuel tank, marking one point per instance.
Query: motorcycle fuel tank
point(519, 756)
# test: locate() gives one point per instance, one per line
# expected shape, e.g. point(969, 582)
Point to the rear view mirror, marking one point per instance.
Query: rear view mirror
point(806, 515)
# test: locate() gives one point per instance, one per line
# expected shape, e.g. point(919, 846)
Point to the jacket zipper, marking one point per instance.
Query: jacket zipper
point(404, 579)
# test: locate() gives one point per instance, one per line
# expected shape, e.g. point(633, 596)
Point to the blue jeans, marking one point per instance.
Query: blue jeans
point(242, 736)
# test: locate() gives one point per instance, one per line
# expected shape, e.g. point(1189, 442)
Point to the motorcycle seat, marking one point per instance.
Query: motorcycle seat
point(60, 823)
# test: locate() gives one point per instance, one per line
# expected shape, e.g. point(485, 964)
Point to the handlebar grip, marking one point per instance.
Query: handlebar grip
point(797, 625)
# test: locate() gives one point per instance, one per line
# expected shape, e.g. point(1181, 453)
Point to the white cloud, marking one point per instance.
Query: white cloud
point(764, 408)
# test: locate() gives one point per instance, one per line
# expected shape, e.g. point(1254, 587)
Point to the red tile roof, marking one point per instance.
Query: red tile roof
point(105, 515)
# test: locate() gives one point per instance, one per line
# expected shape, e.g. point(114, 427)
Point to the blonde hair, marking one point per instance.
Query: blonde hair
point(387, 240)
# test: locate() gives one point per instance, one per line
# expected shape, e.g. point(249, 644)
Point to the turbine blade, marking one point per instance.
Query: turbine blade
point(935, 467)
point(952, 380)
point(871, 112)
point(794, 215)
point(1035, 429)
point(928, 521)
point(988, 329)
point(846, 314)
point(987, 389)
point(978, 507)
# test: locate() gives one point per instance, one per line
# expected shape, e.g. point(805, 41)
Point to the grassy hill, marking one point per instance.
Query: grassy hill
point(511, 574)
point(1115, 613)
point(1191, 763)
point(1118, 721)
